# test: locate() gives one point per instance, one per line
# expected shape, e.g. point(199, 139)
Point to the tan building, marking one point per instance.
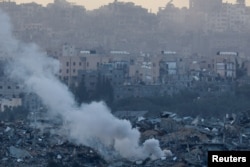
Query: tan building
point(73, 63)
point(93, 61)
point(9, 94)
point(171, 65)
point(143, 68)
point(233, 17)
point(69, 68)
point(225, 64)
point(10, 103)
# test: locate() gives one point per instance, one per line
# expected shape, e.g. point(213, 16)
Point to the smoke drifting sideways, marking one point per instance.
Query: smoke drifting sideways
point(91, 124)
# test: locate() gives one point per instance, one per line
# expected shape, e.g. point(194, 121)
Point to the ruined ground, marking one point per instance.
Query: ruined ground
point(186, 141)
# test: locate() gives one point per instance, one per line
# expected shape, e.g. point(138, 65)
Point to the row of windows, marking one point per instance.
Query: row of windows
point(98, 64)
point(9, 87)
point(74, 63)
point(67, 71)
point(13, 96)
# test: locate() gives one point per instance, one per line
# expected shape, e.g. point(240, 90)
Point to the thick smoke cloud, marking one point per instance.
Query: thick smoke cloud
point(90, 124)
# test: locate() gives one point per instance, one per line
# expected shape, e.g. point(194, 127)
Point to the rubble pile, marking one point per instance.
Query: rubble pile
point(185, 141)
point(189, 139)
point(22, 145)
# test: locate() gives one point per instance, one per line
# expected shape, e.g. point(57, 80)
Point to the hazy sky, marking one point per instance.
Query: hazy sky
point(149, 4)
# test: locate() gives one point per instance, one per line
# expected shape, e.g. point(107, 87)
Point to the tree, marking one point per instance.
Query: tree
point(240, 70)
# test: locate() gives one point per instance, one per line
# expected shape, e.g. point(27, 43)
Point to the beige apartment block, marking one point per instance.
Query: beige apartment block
point(225, 64)
point(143, 69)
point(93, 61)
point(9, 103)
point(70, 66)
point(172, 64)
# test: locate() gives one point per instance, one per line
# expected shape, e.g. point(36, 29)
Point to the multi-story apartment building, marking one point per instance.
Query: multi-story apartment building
point(69, 50)
point(142, 70)
point(171, 14)
point(171, 65)
point(70, 67)
point(10, 94)
point(74, 61)
point(137, 68)
point(9, 103)
point(115, 72)
point(225, 64)
point(230, 17)
point(205, 5)
point(9, 89)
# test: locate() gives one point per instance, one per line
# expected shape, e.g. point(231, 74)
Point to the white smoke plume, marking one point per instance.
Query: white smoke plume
point(90, 124)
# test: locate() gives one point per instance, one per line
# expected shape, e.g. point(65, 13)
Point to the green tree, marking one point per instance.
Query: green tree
point(240, 70)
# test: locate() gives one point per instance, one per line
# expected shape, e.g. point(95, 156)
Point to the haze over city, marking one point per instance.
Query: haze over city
point(121, 83)
point(149, 4)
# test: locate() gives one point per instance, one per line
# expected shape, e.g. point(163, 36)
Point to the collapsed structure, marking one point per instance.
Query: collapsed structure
point(186, 142)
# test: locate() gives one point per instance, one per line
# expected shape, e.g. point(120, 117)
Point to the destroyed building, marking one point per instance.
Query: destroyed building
point(185, 140)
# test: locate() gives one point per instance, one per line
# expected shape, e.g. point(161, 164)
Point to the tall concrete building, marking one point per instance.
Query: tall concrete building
point(241, 2)
point(225, 64)
point(205, 5)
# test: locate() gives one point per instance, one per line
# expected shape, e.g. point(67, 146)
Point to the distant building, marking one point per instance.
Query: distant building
point(171, 65)
point(32, 102)
point(9, 103)
point(205, 5)
point(241, 2)
point(225, 64)
point(138, 91)
point(10, 94)
point(89, 78)
point(9, 89)
point(69, 68)
point(230, 18)
point(68, 50)
point(144, 68)
point(115, 72)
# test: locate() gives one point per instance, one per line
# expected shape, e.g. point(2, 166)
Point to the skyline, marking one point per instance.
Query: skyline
point(151, 5)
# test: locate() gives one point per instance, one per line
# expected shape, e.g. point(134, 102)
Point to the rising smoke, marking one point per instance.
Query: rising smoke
point(89, 124)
